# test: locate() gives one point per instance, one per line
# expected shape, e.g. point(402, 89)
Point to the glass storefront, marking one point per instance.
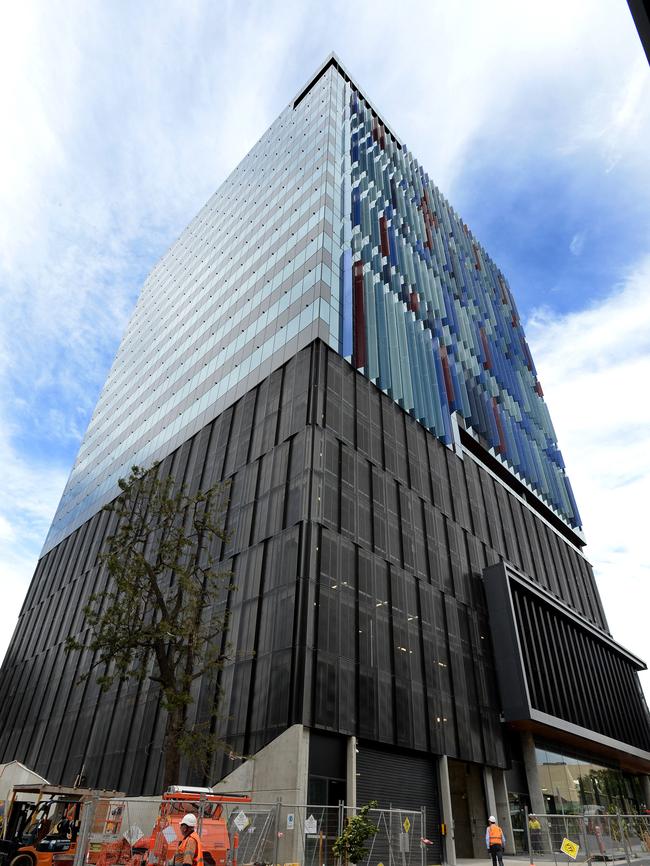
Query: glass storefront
point(577, 786)
point(518, 803)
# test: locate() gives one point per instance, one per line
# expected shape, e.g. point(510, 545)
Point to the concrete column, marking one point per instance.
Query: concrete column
point(489, 793)
point(475, 790)
point(503, 808)
point(351, 774)
point(449, 853)
point(532, 774)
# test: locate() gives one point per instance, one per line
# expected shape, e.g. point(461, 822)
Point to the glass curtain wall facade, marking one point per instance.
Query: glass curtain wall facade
point(329, 338)
point(327, 228)
point(253, 279)
point(435, 323)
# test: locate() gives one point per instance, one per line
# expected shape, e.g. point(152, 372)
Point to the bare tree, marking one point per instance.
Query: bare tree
point(163, 615)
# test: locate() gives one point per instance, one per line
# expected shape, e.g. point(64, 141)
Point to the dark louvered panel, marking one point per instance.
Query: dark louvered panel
point(557, 669)
point(575, 673)
point(402, 781)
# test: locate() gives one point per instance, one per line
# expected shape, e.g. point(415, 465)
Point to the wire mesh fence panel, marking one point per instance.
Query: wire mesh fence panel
point(589, 838)
point(606, 836)
point(92, 820)
point(121, 831)
point(620, 836)
point(636, 829)
point(141, 830)
point(306, 834)
point(398, 840)
point(280, 833)
point(251, 831)
point(636, 835)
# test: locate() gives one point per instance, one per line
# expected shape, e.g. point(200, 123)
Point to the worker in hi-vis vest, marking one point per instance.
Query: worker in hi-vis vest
point(190, 850)
point(495, 841)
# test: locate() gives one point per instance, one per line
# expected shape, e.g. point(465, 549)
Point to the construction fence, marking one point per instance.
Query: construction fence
point(586, 838)
point(145, 831)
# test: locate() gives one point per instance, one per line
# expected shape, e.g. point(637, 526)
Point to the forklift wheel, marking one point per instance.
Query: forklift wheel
point(22, 859)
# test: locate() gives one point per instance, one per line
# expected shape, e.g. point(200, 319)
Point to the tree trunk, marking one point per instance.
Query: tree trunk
point(172, 766)
point(172, 753)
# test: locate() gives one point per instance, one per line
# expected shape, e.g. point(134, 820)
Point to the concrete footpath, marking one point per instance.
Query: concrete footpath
point(511, 861)
point(546, 861)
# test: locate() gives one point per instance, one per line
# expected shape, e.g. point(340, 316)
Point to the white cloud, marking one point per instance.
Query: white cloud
point(6, 530)
point(507, 72)
point(614, 117)
point(577, 243)
point(30, 493)
point(595, 370)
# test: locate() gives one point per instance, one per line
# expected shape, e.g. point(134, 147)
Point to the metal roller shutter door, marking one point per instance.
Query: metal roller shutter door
point(407, 782)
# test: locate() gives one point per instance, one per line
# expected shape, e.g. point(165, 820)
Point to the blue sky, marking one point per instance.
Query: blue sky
point(121, 119)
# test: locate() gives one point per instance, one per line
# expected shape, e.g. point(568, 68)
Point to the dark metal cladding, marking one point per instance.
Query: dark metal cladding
point(358, 547)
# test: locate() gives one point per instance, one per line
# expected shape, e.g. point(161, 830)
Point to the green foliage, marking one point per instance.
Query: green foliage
point(163, 614)
point(350, 845)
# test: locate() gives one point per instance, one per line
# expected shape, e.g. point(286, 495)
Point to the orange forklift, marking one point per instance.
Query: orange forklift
point(43, 823)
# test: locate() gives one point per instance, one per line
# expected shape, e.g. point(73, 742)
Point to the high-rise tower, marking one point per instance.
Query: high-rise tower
point(413, 602)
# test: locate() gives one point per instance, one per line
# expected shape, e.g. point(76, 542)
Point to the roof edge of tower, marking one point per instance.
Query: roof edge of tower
point(334, 60)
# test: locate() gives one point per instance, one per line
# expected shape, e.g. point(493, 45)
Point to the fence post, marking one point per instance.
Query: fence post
point(202, 802)
point(549, 835)
point(528, 838)
point(423, 827)
point(623, 832)
point(585, 829)
point(278, 808)
point(341, 824)
point(89, 808)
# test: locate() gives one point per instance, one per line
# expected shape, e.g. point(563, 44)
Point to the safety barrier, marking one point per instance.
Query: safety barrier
point(145, 831)
point(588, 838)
point(400, 838)
point(303, 835)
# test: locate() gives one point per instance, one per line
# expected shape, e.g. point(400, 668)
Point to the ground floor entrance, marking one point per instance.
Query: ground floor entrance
point(468, 808)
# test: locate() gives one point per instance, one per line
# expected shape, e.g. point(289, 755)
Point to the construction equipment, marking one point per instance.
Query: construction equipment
point(43, 823)
point(160, 845)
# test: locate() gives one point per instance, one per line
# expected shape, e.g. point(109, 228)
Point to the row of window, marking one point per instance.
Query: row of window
point(301, 161)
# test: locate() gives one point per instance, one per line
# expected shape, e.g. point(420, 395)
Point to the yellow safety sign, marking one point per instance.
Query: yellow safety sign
point(569, 848)
point(406, 824)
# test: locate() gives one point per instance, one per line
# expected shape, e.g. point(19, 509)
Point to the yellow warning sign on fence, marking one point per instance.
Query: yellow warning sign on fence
point(569, 848)
point(407, 824)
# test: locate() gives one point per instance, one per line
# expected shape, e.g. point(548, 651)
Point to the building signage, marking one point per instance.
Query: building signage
point(241, 821)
